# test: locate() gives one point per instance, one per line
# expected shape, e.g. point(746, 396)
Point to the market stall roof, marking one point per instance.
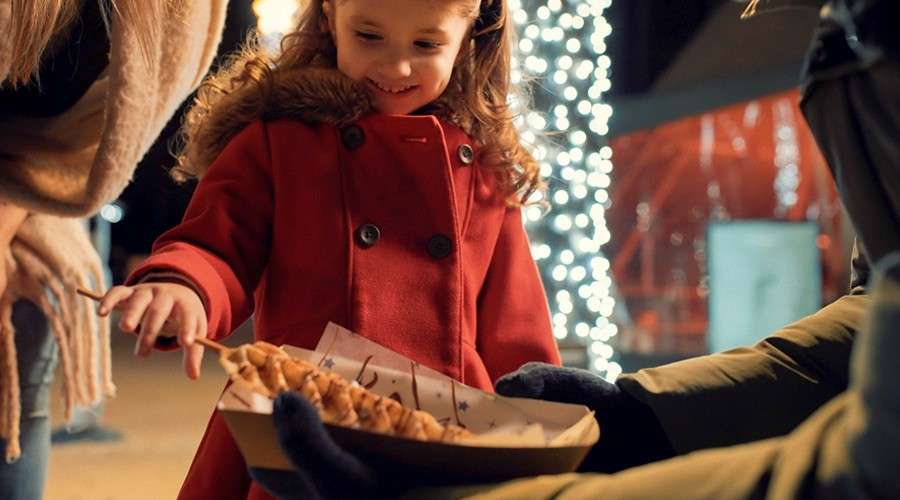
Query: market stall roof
point(726, 61)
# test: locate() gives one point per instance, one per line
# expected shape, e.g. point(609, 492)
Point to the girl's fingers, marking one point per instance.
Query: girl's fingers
point(201, 326)
point(150, 309)
point(115, 295)
point(193, 356)
point(186, 324)
point(154, 318)
point(133, 309)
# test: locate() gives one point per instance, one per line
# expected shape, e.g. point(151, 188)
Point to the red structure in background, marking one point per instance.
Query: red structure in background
point(755, 160)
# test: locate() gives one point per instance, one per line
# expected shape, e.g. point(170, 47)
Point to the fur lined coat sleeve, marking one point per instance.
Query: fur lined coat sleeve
point(222, 244)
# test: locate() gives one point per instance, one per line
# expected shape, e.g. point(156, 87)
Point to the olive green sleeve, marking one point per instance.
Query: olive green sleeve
point(847, 448)
point(757, 392)
point(810, 462)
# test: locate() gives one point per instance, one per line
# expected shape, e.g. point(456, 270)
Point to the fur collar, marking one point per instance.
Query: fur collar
point(311, 95)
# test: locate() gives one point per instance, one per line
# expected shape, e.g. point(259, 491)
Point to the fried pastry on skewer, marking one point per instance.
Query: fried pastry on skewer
point(372, 410)
point(272, 374)
point(296, 375)
point(249, 374)
point(269, 370)
point(337, 403)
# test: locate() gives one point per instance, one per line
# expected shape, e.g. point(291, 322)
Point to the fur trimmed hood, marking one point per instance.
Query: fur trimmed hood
point(311, 95)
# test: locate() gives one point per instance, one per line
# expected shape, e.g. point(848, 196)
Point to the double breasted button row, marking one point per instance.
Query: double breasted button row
point(439, 245)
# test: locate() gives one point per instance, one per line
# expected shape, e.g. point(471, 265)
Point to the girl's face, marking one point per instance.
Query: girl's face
point(404, 50)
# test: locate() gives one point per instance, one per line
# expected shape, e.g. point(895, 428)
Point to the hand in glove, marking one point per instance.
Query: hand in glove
point(630, 433)
point(322, 469)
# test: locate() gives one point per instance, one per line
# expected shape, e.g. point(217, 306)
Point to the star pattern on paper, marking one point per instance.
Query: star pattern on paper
point(439, 395)
point(492, 423)
point(464, 406)
point(328, 363)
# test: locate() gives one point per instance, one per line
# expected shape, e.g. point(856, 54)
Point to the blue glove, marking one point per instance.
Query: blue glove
point(322, 469)
point(630, 433)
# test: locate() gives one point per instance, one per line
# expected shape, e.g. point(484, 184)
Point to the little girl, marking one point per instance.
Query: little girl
point(370, 175)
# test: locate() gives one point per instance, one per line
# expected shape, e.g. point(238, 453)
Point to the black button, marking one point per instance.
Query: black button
point(367, 235)
point(353, 137)
point(466, 155)
point(439, 246)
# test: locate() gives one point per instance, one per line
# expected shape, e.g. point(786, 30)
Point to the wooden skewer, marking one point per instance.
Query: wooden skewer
point(89, 294)
point(212, 344)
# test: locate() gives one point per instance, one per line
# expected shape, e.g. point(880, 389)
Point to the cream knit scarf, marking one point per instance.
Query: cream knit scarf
point(70, 166)
point(39, 273)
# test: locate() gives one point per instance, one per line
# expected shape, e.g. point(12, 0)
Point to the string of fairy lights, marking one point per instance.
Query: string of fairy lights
point(562, 48)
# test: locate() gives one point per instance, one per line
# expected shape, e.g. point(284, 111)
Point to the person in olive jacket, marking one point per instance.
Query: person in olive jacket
point(809, 412)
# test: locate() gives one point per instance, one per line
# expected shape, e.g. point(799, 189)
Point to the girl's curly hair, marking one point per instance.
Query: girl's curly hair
point(477, 98)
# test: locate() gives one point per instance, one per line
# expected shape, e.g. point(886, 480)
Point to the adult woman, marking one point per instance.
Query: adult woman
point(87, 86)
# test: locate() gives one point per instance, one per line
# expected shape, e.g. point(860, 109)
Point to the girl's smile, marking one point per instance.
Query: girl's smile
point(404, 50)
point(391, 90)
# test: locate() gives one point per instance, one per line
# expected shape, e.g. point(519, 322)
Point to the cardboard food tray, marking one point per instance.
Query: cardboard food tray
point(514, 437)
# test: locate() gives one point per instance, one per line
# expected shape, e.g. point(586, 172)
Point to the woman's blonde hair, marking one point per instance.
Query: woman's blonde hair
point(477, 97)
point(35, 25)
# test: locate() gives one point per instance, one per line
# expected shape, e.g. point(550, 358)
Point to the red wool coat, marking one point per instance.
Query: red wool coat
point(388, 227)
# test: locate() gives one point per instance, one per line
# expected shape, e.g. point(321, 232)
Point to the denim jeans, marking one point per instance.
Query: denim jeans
point(37, 356)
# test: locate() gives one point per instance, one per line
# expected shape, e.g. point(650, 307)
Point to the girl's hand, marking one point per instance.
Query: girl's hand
point(154, 308)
